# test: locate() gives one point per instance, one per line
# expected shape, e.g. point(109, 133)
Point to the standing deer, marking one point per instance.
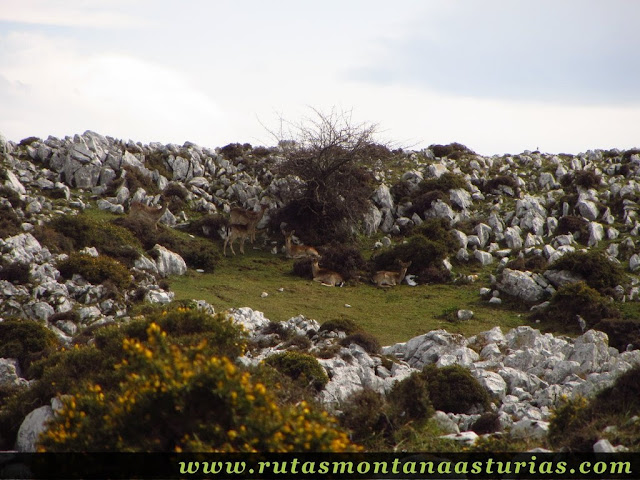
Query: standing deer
point(384, 278)
point(326, 277)
point(297, 251)
point(138, 210)
point(250, 218)
point(233, 232)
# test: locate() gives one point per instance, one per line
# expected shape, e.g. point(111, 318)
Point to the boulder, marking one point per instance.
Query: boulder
point(167, 262)
point(520, 285)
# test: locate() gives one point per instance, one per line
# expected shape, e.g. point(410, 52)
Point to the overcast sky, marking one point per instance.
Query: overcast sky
point(499, 76)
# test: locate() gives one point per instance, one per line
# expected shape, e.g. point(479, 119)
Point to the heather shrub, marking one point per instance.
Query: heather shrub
point(568, 418)
point(587, 179)
point(26, 341)
point(95, 270)
point(12, 196)
point(575, 299)
point(454, 148)
point(302, 268)
point(621, 331)
point(572, 224)
point(410, 399)
point(208, 225)
point(422, 252)
point(423, 202)
point(453, 389)
point(301, 367)
point(15, 272)
point(340, 325)
point(366, 340)
point(9, 222)
point(493, 184)
point(180, 399)
point(365, 415)
point(445, 182)
point(107, 237)
point(598, 271)
point(488, 422)
point(344, 259)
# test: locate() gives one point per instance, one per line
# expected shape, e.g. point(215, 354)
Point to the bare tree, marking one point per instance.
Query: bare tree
point(329, 152)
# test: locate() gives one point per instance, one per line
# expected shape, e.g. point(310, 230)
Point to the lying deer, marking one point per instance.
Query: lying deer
point(384, 278)
point(250, 218)
point(234, 232)
point(326, 277)
point(297, 251)
point(139, 210)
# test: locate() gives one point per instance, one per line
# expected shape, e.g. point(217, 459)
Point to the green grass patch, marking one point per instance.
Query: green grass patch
point(392, 315)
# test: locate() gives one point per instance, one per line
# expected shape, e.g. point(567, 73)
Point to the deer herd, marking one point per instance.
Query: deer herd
point(242, 226)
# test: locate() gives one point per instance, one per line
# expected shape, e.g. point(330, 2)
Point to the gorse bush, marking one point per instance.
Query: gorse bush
point(26, 341)
point(598, 271)
point(445, 182)
point(15, 272)
point(108, 238)
point(453, 389)
point(577, 423)
point(95, 270)
point(180, 399)
point(9, 222)
point(344, 259)
point(366, 340)
point(422, 252)
point(340, 325)
point(92, 362)
point(302, 367)
point(575, 299)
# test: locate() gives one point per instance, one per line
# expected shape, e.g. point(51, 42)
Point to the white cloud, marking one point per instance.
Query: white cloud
point(78, 13)
point(54, 89)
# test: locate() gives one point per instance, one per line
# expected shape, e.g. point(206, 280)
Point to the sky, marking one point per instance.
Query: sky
point(499, 76)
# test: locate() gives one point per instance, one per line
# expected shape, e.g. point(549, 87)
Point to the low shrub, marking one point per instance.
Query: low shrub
point(366, 340)
point(572, 224)
point(302, 268)
point(575, 299)
point(364, 414)
point(208, 226)
point(453, 389)
point(587, 179)
point(445, 182)
point(176, 196)
point(410, 399)
point(488, 422)
point(235, 150)
point(108, 238)
point(15, 272)
point(136, 179)
point(26, 341)
point(301, 367)
point(422, 252)
point(566, 426)
point(12, 196)
point(52, 239)
point(10, 224)
point(621, 331)
point(180, 399)
point(95, 270)
point(441, 151)
point(343, 258)
point(493, 184)
point(598, 271)
point(423, 202)
point(340, 325)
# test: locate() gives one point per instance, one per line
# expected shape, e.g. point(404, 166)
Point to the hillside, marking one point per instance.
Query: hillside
point(527, 243)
